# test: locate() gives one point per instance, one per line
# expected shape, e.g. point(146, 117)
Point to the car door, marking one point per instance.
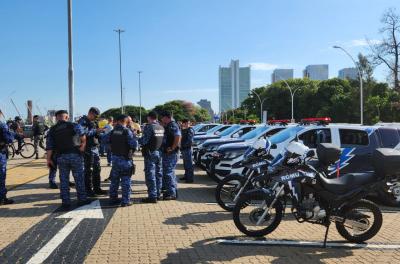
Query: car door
point(311, 138)
point(357, 148)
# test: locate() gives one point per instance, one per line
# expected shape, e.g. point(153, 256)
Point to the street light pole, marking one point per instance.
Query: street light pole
point(292, 94)
point(140, 98)
point(361, 83)
point(119, 31)
point(70, 64)
point(261, 104)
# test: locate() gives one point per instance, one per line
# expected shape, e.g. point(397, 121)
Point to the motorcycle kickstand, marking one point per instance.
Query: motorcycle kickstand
point(326, 234)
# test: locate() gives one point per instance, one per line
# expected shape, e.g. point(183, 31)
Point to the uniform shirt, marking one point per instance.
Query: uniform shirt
point(174, 128)
point(36, 129)
point(147, 134)
point(90, 130)
point(132, 140)
point(6, 135)
point(187, 138)
point(50, 139)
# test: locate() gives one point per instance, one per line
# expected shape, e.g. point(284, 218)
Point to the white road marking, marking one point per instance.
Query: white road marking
point(92, 211)
point(306, 244)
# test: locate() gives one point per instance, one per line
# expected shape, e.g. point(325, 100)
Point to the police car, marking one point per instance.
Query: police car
point(209, 146)
point(201, 129)
point(234, 131)
point(357, 143)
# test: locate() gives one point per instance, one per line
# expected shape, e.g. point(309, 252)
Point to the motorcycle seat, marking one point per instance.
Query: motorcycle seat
point(347, 182)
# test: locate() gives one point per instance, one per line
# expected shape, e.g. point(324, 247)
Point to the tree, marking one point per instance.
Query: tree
point(387, 51)
point(184, 110)
point(367, 69)
point(131, 110)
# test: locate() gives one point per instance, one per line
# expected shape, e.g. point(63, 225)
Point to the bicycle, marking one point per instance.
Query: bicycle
point(27, 150)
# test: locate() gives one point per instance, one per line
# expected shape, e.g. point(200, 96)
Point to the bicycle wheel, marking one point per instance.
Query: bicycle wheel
point(11, 151)
point(27, 150)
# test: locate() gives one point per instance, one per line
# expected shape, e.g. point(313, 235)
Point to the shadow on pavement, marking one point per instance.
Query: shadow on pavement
point(198, 219)
point(206, 251)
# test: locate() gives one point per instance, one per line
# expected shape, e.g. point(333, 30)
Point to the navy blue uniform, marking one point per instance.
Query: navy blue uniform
point(91, 156)
point(69, 159)
point(151, 142)
point(6, 137)
point(122, 142)
point(186, 150)
point(169, 160)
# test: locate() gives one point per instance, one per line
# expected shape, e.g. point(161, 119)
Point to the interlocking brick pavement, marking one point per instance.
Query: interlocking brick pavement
point(184, 231)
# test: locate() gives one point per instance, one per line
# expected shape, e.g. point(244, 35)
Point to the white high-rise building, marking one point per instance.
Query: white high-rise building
point(317, 72)
point(234, 85)
point(348, 73)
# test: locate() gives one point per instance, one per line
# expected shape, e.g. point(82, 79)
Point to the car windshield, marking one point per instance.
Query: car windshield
point(197, 127)
point(214, 129)
point(254, 133)
point(229, 130)
point(285, 134)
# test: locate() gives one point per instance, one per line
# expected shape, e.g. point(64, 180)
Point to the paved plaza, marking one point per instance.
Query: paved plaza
point(185, 231)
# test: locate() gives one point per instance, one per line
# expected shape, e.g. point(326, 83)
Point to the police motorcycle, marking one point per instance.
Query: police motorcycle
point(256, 161)
point(315, 198)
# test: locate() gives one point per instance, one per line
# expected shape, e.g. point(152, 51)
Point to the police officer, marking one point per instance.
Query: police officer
point(123, 143)
point(69, 141)
point(151, 141)
point(92, 157)
point(16, 126)
point(186, 150)
point(6, 137)
point(172, 137)
point(38, 131)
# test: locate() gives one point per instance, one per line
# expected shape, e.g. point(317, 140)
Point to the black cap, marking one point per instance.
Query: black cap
point(17, 118)
point(152, 114)
point(35, 116)
point(165, 113)
point(61, 112)
point(121, 117)
point(94, 110)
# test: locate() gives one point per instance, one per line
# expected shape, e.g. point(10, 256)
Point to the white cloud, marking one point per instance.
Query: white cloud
point(183, 91)
point(363, 42)
point(262, 66)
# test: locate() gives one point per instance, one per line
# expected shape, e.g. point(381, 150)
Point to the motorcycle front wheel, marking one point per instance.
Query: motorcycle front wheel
point(248, 211)
point(362, 221)
point(227, 190)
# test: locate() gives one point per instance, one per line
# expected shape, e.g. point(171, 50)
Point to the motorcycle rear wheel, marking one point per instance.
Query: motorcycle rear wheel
point(356, 212)
point(243, 212)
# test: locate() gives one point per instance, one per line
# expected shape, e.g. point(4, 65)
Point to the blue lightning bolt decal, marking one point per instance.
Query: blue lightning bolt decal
point(347, 155)
point(343, 161)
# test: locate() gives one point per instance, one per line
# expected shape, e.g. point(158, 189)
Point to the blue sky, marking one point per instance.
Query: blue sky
point(178, 44)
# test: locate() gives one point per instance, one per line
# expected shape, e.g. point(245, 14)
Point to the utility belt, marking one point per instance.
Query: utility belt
point(164, 150)
point(146, 151)
point(68, 151)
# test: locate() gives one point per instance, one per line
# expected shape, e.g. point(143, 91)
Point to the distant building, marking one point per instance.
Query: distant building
point(29, 109)
point(317, 72)
point(234, 85)
point(204, 103)
point(348, 73)
point(281, 74)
